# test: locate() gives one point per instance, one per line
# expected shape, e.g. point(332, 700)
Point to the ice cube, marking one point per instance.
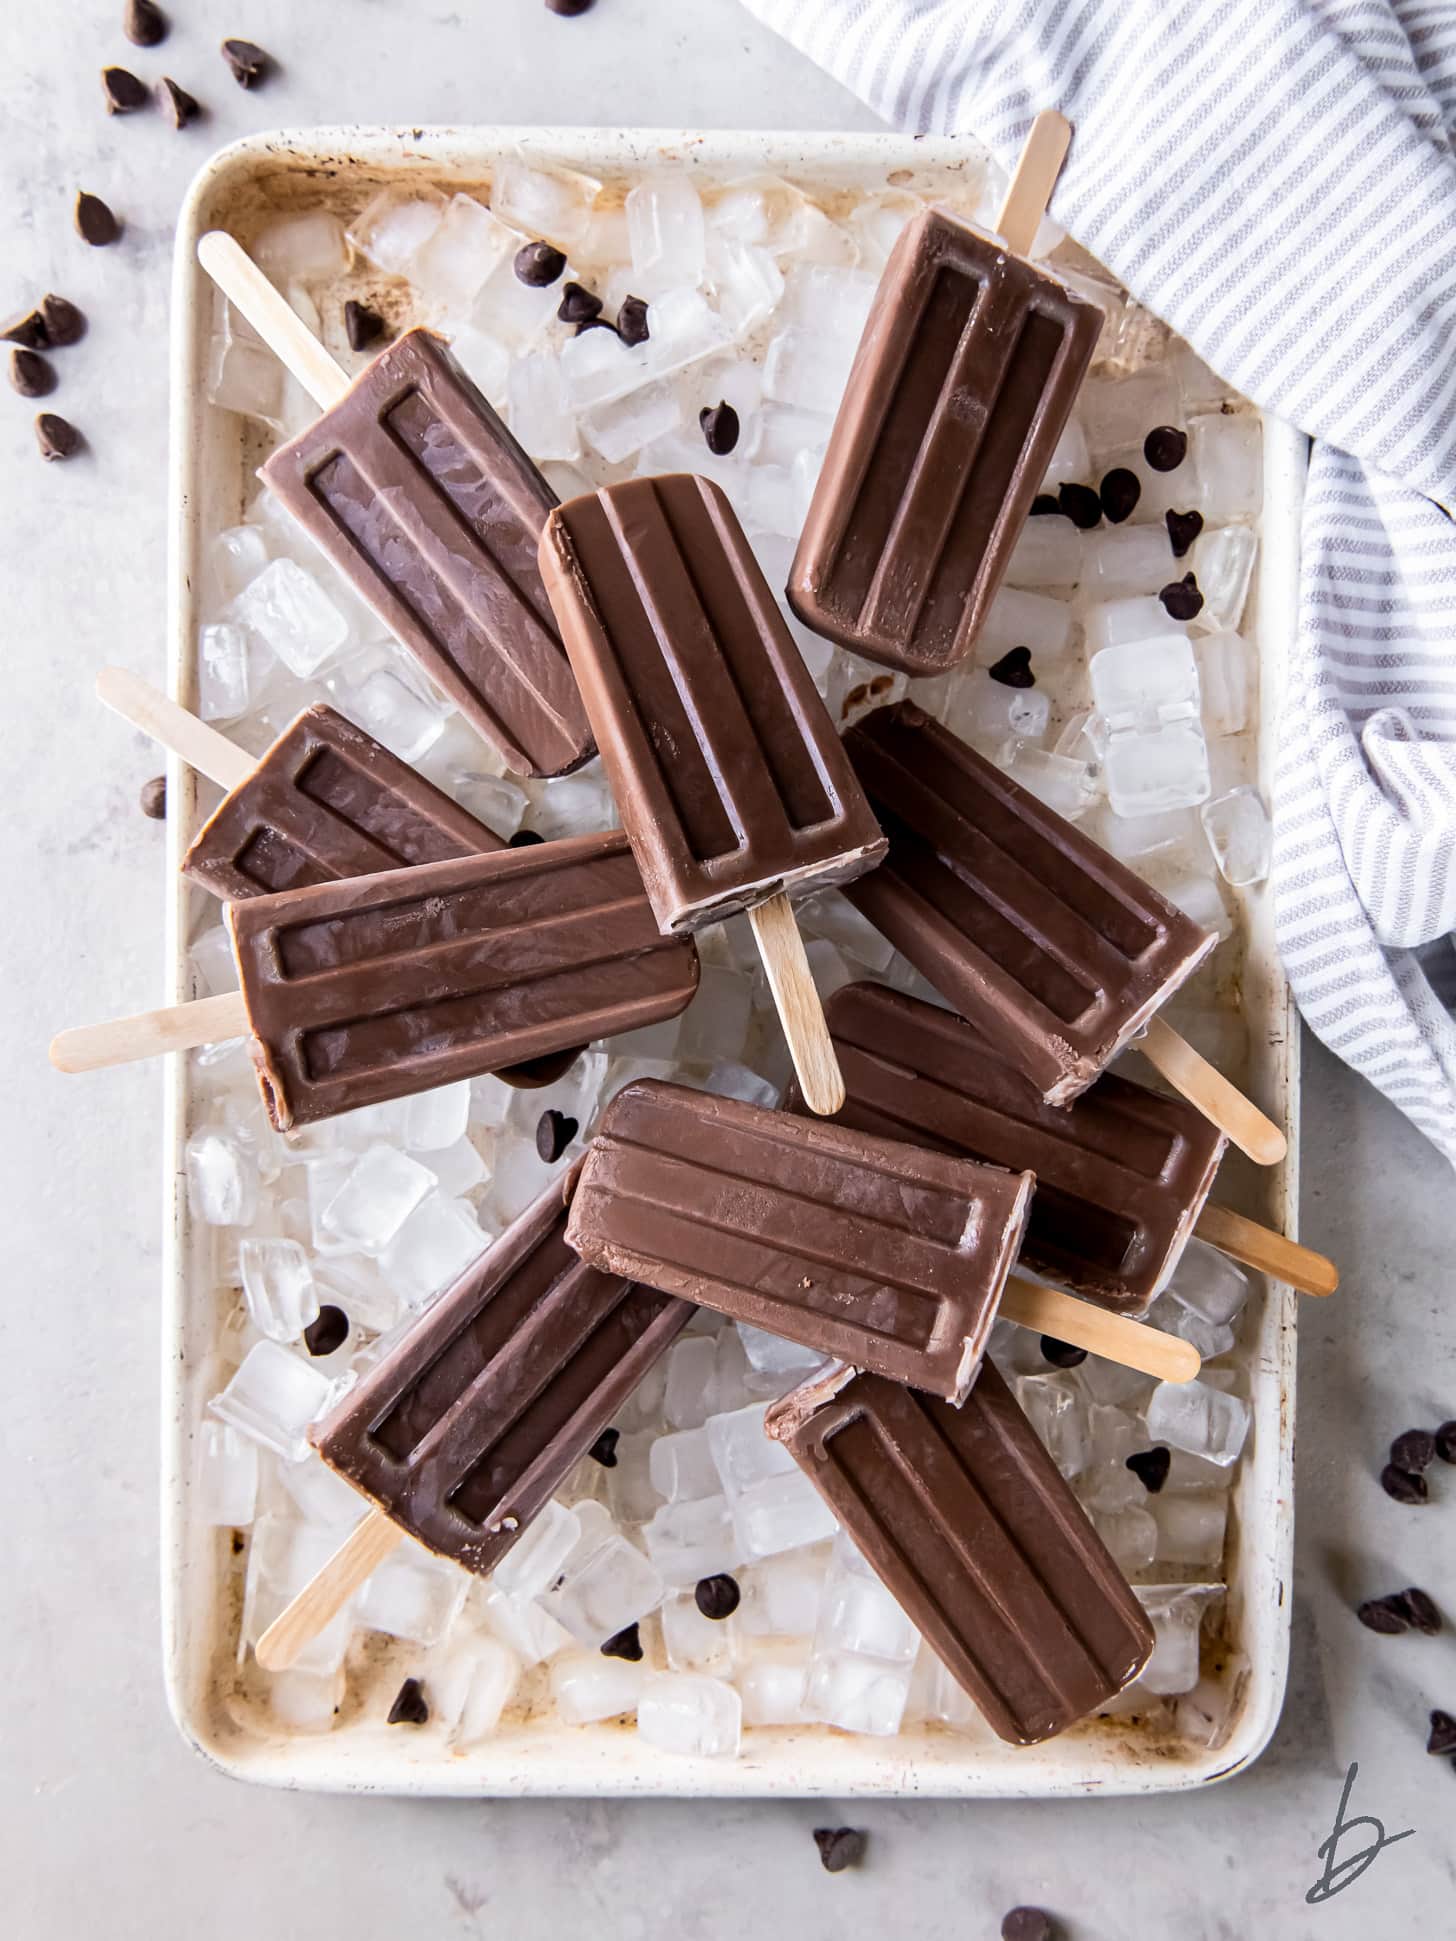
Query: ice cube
point(605, 241)
point(1057, 1411)
point(234, 556)
point(516, 315)
point(741, 1454)
point(1111, 1488)
point(216, 964)
point(222, 1179)
point(394, 225)
point(1226, 677)
point(857, 1614)
point(1191, 1529)
point(770, 1354)
point(1064, 784)
point(782, 1595)
point(531, 1633)
point(615, 431)
point(1049, 553)
point(436, 1119)
point(772, 1688)
point(1070, 462)
point(1222, 562)
point(449, 268)
point(283, 1557)
point(877, 222)
point(802, 369)
point(1131, 838)
point(1020, 619)
point(1122, 560)
point(458, 1168)
point(665, 234)
point(681, 1467)
point(287, 610)
point(484, 360)
point(1240, 836)
point(1110, 623)
point(413, 1596)
point(687, 1541)
point(554, 203)
point(432, 1248)
point(375, 1198)
point(1176, 1614)
point(683, 1712)
point(856, 1694)
point(243, 376)
point(1198, 1418)
point(598, 368)
point(689, 1371)
point(1141, 685)
point(716, 1022)
point(305, 1701)
point(1200, 387)
point(631, 1493)
point(781, 1513)
point(1210, 1283)
point(1149, 773)
point(824, 241)
point(1131, 1535)
point(309, 248)
point(226, 1492)
point(777, 500)
point(471, 1689)
point(1121, 411)
point(1227, 454)
point(278, 1287)
point(604, 1585)
point(273, 1397)
point(682, 328)
point(1197, 896)
point(494, 800)
point(733, 1081)
point(784, 432)
point(693, 1642)
point(540, 1552)
point(992, 716)
point(587, 1687)
point(540, 412)
point(224, 690)
point(321, 1494)
point(747, 284)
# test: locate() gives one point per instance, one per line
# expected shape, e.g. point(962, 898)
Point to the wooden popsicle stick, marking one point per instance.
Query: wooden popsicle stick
point(797, 998)
point(1188, 1072)
point(1040, 164)
point(1115, 1337)
point(273, 317)
point(121, 1041)
point(157, 715)
point(1270, 1252)
point(319, 1602)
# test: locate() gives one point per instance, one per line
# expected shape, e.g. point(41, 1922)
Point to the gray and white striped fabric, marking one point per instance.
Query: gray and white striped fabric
point(1276, 179)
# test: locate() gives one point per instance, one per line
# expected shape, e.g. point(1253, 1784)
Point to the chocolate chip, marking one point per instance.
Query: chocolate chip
point(174, 100)
point(1081, 505)
point(624, 1644)
point(94, 220)
point(1165, 448)
point(124, 92)
point(153, 798)
point(596, 323)
point(578, 305)
point(1183, 529)
point(717, 1596)
point(1028, 1924)
point(632, 321)
point(719, 423)
point(361, 324)
point(143, 24)
point(32, 375)
point(840, 1847)
point(64, 323)
point(409, 1707)
point(1446, 1442)
point(1061, 1354)
point(1420, 1611)
point(1043, 503)
point(329, 1330)
point(1443, 1735)
point(28, 330)
point(1014, 668)
point(1119, 493)
point(248, 62)
point(57, 437)
point(539, 264)
point(1151, 1467)
point(604, 1449)
point(1415, 1450)
point(569, 9)
point(554, 1133)
point(523, 839)
point(1181, 598)
point(1384, 1615)
point(1404, 1485)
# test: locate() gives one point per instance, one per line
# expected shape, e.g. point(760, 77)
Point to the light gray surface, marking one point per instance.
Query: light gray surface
point(107, 1823)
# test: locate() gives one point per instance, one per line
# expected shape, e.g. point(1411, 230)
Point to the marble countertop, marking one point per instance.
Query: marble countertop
point(107, 1822)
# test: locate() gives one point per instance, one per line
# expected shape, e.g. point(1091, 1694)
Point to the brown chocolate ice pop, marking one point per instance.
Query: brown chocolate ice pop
point(422, 499)
point(732, 785)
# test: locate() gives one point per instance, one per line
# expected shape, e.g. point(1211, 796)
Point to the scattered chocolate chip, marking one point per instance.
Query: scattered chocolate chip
point(64, 323)
point(361, 324)
point(719, 423)
point(840, 1847)
point(569, 8)
point(1151, 1467)
point(409, 1707)
point(1014, 668)
point(1061, 1354)
point(625, 1644)
point(28, 330)
point(124, 92)
point(1081, 505)
point(604, 1449)
point(578, 305)
point(1165, 448)
point(329, 1330)
point(1384, 1615)
point(554, 1133)
point(1043, 503)
point(143, 24)
point(717, 1596)
point(153, 798)
point(1119, 493)
point(1183, 529)
point(632, 320)
point(32, 375)
point(57, 437)
point(174, 100)
point(523, 839)
point(1404, 1485)
point(1181, 598)
point(539, 264)
point(248, 62)
point(1420, 1611)
point(1415, 1450)
point(94, 220)
point(1446, 1442)
point(1028, 1924)
point(1442, 1741)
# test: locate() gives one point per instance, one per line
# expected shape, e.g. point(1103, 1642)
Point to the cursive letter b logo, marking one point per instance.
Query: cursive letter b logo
point(1338, 1875)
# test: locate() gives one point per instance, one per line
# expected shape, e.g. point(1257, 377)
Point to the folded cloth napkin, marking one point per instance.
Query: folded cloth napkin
point(1275, 178)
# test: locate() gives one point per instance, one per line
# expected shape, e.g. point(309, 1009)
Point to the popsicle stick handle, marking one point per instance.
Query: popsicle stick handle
point(1113, 1336)
point(1036, 175)
point(273, 317)
point(320, 1602)
point(797, 998)
point(1192, 1075)
point(1270, 1252)
point(157, 715)
point(121, 1041)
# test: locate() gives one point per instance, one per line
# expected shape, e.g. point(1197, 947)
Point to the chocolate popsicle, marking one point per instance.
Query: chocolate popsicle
point(422, 499)
point(963, 382)
point(964, 1517)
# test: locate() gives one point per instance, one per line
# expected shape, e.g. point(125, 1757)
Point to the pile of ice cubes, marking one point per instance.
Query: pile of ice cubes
point(326, 1244)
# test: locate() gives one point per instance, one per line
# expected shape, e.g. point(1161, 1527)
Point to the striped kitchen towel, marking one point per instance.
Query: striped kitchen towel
point(1276, 179)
